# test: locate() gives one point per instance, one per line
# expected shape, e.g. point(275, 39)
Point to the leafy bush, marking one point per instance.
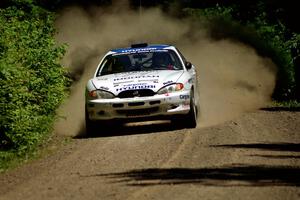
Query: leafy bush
point(32, 81)
point(268, 38)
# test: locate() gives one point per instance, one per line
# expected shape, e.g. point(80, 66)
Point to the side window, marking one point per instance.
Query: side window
point(175, 60)
point(183, 58)
point(106, 67)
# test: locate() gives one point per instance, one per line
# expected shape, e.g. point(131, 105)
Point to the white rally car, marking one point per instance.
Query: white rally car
point(142, 82)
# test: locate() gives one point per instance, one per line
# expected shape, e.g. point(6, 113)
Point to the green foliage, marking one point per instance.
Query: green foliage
point(32, 81)
point(281, 46)
point(292, 104)
point(269, 38)
point(211, 13)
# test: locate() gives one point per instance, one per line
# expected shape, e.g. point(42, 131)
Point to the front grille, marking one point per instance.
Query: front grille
point(136, 104)
point(138, 112)
point(118, 105)
point(154, 102)
point(136, 93)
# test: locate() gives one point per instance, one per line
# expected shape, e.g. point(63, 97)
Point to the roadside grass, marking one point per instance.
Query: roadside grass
point(33, 81)
point(10, 159)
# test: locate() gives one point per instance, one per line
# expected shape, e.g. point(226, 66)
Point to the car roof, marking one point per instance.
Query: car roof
point(143, 48)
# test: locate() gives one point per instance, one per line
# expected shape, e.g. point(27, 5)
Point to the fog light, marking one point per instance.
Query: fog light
point(173, 106)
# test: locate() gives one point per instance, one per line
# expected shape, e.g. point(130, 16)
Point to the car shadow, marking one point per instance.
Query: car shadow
point(244, 175)
point(125, 129)
point(233, 175)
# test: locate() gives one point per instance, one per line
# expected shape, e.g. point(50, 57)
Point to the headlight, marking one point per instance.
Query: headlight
point(100, 94)
point(171, 88)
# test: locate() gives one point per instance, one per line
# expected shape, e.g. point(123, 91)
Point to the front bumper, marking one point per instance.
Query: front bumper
point(139, 107)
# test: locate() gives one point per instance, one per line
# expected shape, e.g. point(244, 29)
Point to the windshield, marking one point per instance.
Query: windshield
point(140, 61)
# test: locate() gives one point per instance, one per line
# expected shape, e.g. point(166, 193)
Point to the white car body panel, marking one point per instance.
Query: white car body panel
point(169, 104)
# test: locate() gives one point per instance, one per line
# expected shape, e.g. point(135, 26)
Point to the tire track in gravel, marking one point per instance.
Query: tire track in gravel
point(101, 167)
point(172, 158)
point(205, 151)
point(184, 155)
point(95, 156)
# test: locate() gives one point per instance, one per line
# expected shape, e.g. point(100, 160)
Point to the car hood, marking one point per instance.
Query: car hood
point(154, 80)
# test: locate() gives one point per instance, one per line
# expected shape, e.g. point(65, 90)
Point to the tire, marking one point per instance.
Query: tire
point(189, 120)
point(98, 127)
point(89, 125)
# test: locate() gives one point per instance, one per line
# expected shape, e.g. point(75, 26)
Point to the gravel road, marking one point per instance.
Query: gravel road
point(255, 156)
point(235, 153)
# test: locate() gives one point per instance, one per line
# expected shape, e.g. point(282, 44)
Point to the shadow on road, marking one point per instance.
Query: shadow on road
point(277, 109)
point(232, 175)
point(278, 147)
point(277, 156)
point(292, 147)
point(137, 128)
point(235, 175)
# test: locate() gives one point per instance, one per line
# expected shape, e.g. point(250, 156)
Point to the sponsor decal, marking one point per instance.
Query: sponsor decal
point(102, 79)
point(149, 80)
point(135, 87)
point(123, 78)
point(185, 97)
point(142, 50)
point(135, 84)
point(103, 88)
point(136, 77)
point(168, 82)
point(138, 50)
point(118, 83)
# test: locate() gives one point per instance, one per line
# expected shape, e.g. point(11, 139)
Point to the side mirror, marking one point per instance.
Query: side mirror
point(188, 65)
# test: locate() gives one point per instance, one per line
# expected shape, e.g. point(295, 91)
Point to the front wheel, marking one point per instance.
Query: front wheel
point(89, 125)
point(189, 120)
point(191, 117)
point(98, 127)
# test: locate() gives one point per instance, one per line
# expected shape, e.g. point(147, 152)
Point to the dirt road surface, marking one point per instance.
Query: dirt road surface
point(255, 156)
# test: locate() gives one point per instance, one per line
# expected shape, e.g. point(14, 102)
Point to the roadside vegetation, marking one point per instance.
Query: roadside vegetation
point(271, 39)
point(268, 26)
point(33, 82)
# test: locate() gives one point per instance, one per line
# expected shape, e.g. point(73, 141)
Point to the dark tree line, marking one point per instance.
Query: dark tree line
point(283, 15)
point(286, 11)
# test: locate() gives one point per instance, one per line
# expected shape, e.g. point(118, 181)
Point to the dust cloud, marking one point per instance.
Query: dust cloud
point(233, 79)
